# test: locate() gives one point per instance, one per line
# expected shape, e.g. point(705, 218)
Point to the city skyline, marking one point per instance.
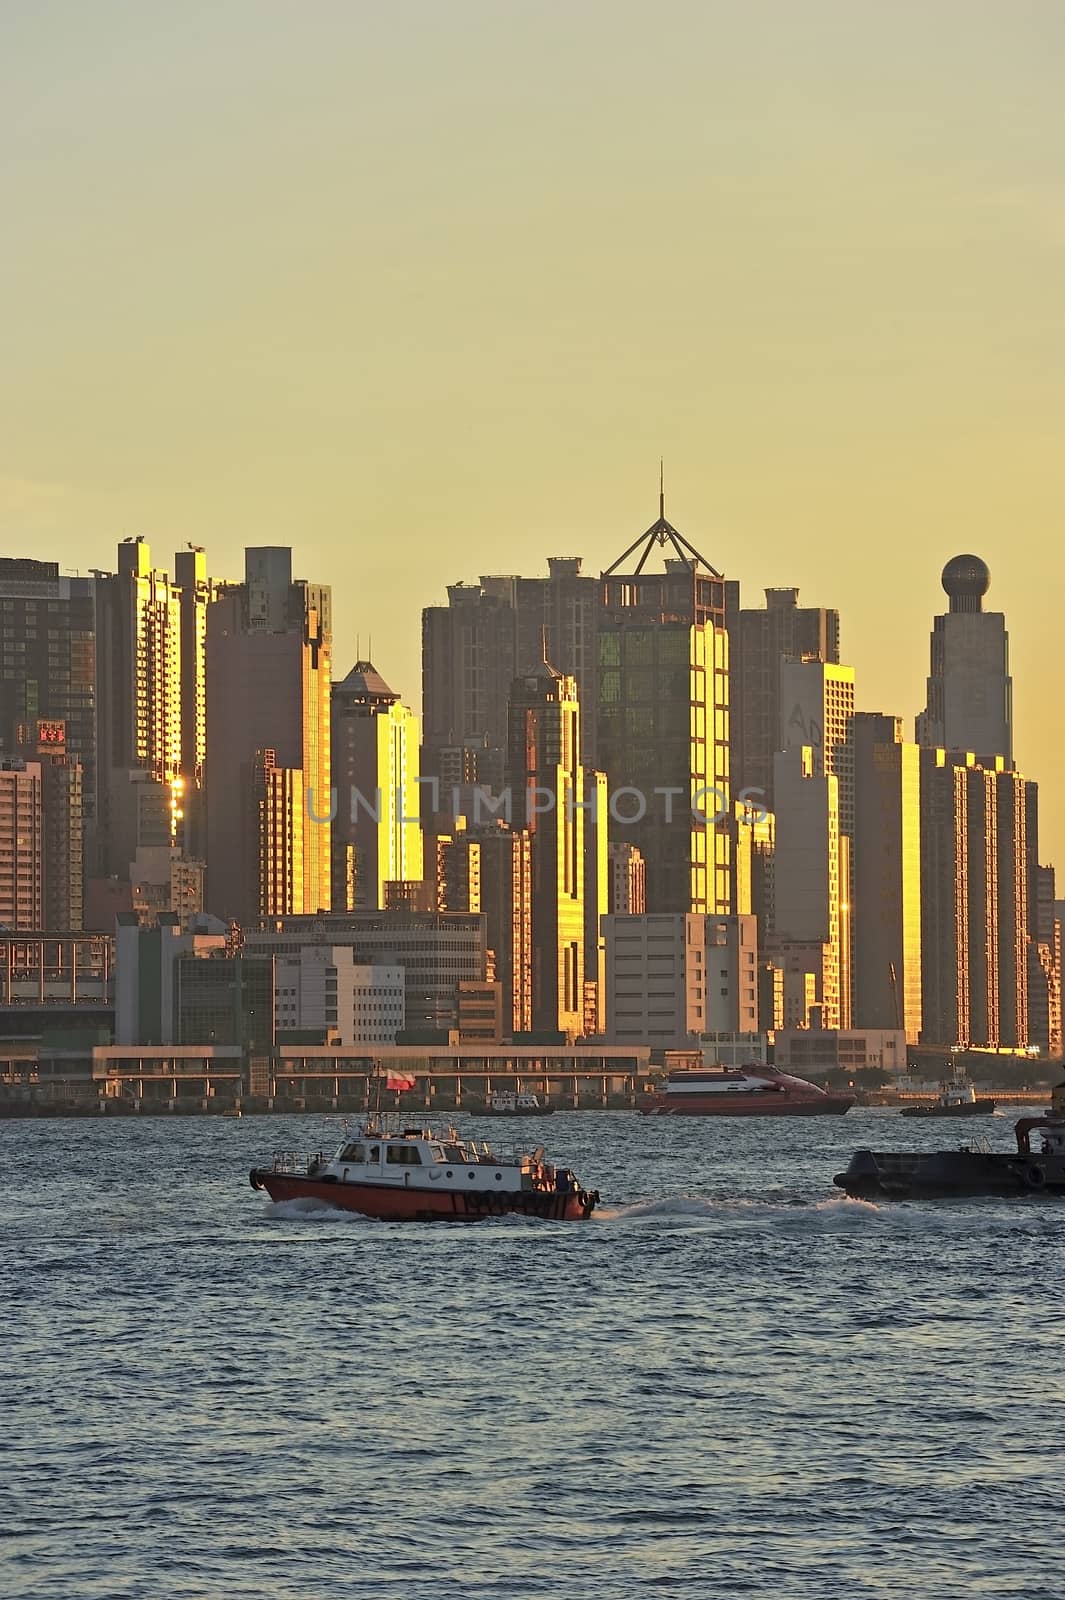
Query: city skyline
point(823, 281)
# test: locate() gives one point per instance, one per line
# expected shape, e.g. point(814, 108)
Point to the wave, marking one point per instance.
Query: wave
point(310, 1210)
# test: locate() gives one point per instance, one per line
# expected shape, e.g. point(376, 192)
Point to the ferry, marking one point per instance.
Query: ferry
point(505, 1103)
point(754, 1091)
point(418, 1175)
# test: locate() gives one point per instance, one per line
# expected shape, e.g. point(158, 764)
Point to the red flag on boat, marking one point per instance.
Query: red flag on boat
point(399, 1081)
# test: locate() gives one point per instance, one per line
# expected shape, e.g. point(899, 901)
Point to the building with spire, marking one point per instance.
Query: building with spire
point(970, 691)
point(662, 717)
point(377, 835)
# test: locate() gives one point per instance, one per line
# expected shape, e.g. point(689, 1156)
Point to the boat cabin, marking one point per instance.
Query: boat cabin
point(421, 1158)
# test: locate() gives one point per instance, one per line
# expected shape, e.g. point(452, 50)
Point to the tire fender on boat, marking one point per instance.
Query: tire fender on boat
point(1034, 1176)
point(254, 1179)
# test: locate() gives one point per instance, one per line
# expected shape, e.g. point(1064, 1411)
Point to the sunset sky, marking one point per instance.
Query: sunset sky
point(426, 289)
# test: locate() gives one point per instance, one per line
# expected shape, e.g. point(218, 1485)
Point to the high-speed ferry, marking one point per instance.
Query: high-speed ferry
point(755, 1091)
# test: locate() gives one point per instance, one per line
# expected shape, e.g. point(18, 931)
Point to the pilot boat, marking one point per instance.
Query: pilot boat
point(754, 1091)
point(419, 1175)
point(505, 1103)
point(955, 1100)
point(973, 1169)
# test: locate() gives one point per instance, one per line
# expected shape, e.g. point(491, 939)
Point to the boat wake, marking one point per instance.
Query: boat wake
point(310, 1211)
point(736, 1208)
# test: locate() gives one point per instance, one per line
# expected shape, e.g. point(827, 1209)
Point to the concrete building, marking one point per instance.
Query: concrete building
point(759, 640)
point(267, 771)
point(674, 978)
point(375, 778)
point(1044, 964)
point(970, 691)
point(174, 987)
point(437, 951)
point(196, 591)
point(628, 880)
point(48, 661)
point(817, 713)
point(21, 845)
point(663, 718)
point(809, 1051)
point(43, 743)
point(504, 865)
point(887, 876)
point(810, 907)
point(546, 781)
point(323, 987)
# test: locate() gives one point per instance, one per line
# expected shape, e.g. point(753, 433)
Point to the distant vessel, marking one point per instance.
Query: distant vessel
point(420, 1175)
point(955, 1100)
point(506, 1103)
point(754, 1091)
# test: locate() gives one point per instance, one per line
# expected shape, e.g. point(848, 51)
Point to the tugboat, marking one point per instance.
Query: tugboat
point(754, 1091)
point(505, 1103)
point(955, 1100)
point(973, 1169)
point(419, 1175)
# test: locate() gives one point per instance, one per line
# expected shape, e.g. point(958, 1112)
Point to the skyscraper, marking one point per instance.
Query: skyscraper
point(887, 877)
point(21, 845)
point(808, 905)
point(546, 782)
point(48, 660)
point(759, 639)
point(267, 768)
point(195, 593)
point(663, 719)
point(970, 691)
point(375, 775)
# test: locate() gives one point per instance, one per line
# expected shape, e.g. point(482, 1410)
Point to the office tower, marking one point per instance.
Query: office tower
point(758, 641)
point(375, 776)
point(504, 858)
point(628, 881)
point(21, 845)
point(267, 768)
point(887, 876)
point(752, 832)
point(663, 719)
point(469, 658)
point(475, 646)
point(138, 684)
point(545, 779)
point(195, 594)
point(970, 691)
point(816, 713)
point(808, 876)
point(48, 660)
point(974, 902)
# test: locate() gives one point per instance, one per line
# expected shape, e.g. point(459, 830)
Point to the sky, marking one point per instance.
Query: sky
point(425, 290)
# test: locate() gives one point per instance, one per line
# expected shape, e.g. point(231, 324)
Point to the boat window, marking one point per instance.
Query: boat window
point(454, 1152)
point(437, 1152)
point(353, 1152)
point(375, 1153)
point(403, 1155)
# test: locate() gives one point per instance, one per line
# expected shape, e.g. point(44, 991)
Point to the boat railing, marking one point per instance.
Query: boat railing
point(294, 1161)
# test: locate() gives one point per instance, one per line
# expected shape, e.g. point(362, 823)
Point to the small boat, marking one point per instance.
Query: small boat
point(973, 1169)
point(955, 1100)
point(419, 1175)
point(754, 1091)
point(505, 1103)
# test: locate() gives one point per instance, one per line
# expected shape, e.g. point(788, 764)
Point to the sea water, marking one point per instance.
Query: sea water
point(731, 1382)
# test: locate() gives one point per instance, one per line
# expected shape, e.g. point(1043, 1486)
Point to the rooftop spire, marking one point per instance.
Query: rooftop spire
point(661, 489)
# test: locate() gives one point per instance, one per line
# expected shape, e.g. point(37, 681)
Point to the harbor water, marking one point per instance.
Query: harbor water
point(731, 1382)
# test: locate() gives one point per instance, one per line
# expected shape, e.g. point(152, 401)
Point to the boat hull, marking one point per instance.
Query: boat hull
point(400, 1204)
point(949, 1174)
point(976, 1108)
point(747, 1105)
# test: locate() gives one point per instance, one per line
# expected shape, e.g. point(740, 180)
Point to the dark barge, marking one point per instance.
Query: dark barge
point(974, 1169)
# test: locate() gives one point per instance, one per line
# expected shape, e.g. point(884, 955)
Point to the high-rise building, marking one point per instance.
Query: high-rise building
point(48, 660)
point(267, 768)
point(674, 978)
point(195, 594)
point(21, 845)
point(759, 639)
point(597, 883)
point(504, 865)
point(138, 684)
point(970, 691)
point(44, 743)
point(628, 881)
point(816, 713)
point(1044, 965)
point(663, 719)
point(887, 876)
point(375, 777)
point(974, 902)
point(546, 782)
point(809, 873)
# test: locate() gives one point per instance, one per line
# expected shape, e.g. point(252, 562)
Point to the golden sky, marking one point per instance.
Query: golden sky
point(425, 289)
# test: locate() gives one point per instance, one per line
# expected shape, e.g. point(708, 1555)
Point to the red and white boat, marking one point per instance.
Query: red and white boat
point(420, 1176)
point(754, 1091)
